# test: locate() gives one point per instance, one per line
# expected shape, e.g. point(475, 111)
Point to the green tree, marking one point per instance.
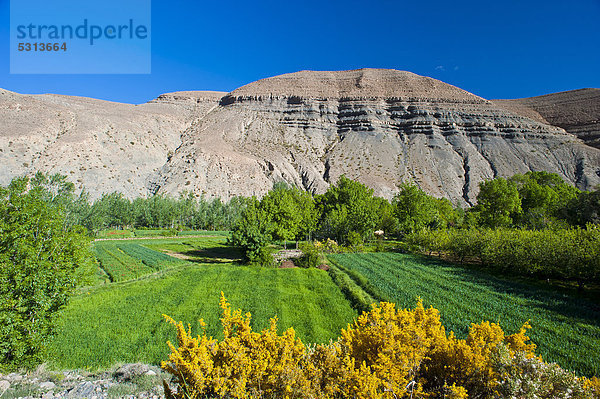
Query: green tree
point(348, 206)
point(41, 261)
point(253, 232)
point(543, 197)
point(415, 210)
point(498, 203)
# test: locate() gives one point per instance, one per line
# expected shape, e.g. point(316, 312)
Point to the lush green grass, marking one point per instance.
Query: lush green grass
point(115, 234)
point(118, 265)
point(123, 323)
point(565, 328)
point(197, 249)
point(127, 259)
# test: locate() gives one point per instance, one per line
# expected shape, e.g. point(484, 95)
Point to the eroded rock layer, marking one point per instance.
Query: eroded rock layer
point(381, 127)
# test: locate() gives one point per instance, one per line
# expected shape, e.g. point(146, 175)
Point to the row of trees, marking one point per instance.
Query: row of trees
point(349, 212)
point(571, 254)
point(114, 210)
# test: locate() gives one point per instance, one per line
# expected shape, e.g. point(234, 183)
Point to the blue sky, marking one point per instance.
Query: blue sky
point(494, 49)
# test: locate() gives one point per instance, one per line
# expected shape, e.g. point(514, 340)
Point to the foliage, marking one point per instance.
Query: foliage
point(584, 209)
point(414, 209)
point(498, 203)
point(311, 255)
point(347, 206)
point(566, 326)
point(42, 260)
point(253, 231)
point(385, 353)
point(569, 254)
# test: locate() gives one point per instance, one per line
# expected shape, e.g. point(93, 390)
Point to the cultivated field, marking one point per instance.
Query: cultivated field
point(122, 322)
point(566, 329)
point(120, 318)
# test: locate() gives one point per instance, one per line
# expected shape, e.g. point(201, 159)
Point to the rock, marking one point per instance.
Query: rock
point(48, 395)
point(380, 127)
point(47, 385)
point(150, 372)
point(83, 390)
point(4, 386)
point(287, 264)
point(128, 372)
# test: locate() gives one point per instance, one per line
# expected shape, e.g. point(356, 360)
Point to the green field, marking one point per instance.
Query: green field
point(565, 328)
point(125, 260)
point(122, 322)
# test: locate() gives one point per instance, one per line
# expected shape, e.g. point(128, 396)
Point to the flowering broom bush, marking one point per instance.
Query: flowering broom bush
point(385, 353)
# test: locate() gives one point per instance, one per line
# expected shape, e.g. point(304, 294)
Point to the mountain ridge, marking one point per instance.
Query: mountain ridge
point(380, 127)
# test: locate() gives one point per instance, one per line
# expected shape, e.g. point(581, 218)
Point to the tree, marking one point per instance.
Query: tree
point(348, 206)
point(543, 197)
point(253, 232)
point(415, 210)
point(41, 261)
point(498, 203)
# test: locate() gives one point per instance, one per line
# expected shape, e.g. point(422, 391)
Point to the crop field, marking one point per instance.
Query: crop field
point(566, 329)
point(123, 322)
point(126, 260)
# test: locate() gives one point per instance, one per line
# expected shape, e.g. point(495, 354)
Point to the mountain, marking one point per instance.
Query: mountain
point(576, 111)
point(102, 146)
point(381, 127)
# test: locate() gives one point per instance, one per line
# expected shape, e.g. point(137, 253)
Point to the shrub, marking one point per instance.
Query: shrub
point(42, 260)
point(311, 256)
point(385, 353)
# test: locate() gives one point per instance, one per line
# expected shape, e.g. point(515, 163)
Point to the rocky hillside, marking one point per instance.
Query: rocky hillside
point(576, 111)
point(381, 127)
point(100, 145)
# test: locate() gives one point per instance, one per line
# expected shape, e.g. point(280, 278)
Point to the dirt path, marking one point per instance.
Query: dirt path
point(177, 255)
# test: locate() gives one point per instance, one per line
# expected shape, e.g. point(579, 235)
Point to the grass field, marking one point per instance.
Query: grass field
point(125, 260)
point(122, 322)
point(565, 328)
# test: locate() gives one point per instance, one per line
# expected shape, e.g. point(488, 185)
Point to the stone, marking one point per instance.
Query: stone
point(378, 126)
point(47, 385)
point(127, 372)
point(4, 386)
point(82, 390)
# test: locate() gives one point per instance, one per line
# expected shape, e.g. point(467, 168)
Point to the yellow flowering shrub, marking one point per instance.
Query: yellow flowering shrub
point(244, 364)
point(385, 353)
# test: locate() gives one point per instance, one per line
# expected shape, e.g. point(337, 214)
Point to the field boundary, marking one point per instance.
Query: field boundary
point(155, 238)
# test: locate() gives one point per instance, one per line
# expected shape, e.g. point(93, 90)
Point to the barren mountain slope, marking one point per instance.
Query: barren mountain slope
point(100, 145)
point(381, 127)
point(576, 111)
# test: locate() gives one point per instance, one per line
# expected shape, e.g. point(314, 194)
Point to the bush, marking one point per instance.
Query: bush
point(311, 256)
point(570, 254)
point(42, 260)
point(385, 353)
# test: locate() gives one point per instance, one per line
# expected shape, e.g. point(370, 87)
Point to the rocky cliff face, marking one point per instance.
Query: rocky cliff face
point(576, 111)
point(381, 127)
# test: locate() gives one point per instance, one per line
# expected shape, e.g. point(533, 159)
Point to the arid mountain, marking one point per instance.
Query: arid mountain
point(381, 127)
point(576, 111)
point(100, 145)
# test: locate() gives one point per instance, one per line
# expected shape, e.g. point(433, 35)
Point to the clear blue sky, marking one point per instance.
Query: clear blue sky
point(495, 49)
